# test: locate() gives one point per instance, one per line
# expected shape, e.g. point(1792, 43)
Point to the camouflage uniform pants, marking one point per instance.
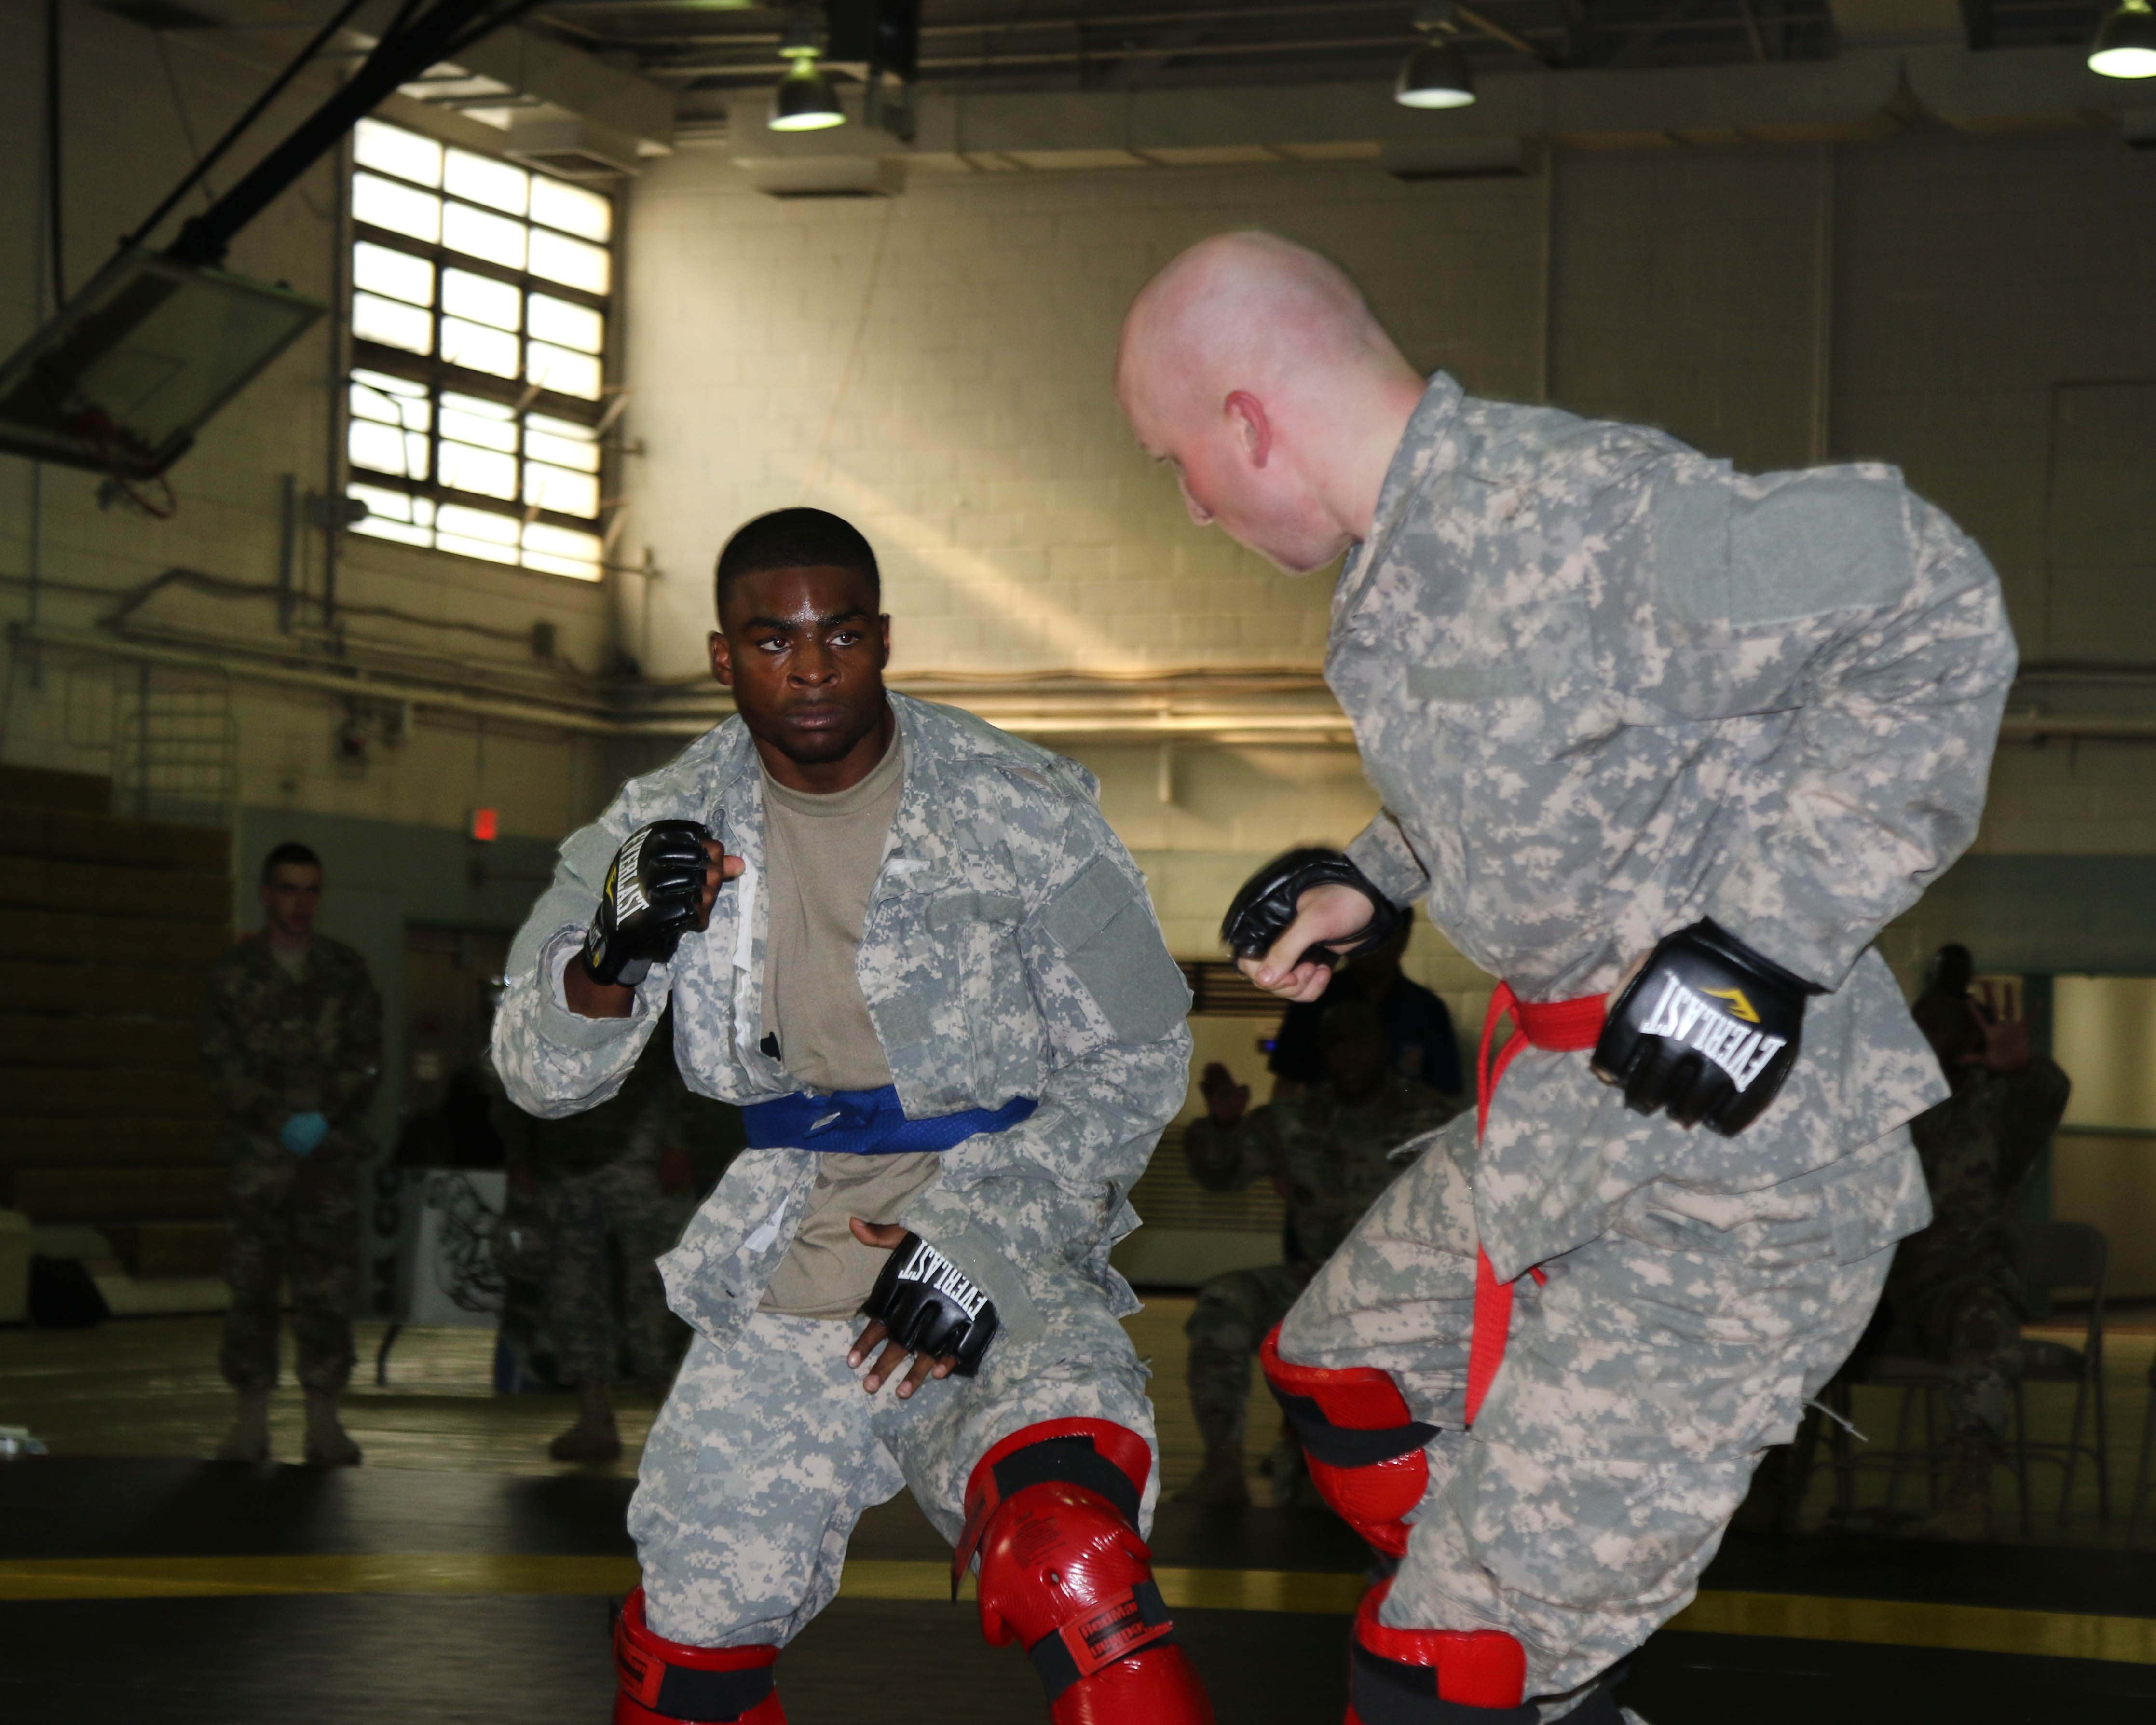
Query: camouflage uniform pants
point(1233, 1313)
point(619, 1208)
point(1974, 1329)
point(294, 1219)
point(1641, 1384)
point(767, 1452)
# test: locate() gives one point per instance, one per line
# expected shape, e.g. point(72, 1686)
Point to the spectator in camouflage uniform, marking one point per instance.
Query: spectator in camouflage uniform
point(1608, 688)
point(616, 1188)
point(1953, 1295)
point(290, 1035)
point(1328, 1151)
point(1419, 1042)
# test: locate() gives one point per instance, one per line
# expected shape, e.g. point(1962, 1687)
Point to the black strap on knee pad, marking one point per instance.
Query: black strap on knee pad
point(1074, 1460)
point(1105, 1634)
point(1343, 1446)
point(1385, 1691)
point(685, 1694)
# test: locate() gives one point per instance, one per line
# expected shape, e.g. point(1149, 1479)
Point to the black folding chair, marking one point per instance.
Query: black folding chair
point(2075, 1256)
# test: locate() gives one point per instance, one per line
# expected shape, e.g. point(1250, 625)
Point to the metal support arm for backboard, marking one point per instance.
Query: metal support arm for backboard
point(125, 374)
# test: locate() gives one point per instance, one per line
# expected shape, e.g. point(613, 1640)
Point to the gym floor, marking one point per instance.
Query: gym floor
point(459, 1575)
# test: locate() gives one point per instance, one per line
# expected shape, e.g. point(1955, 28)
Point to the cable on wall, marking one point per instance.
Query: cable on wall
point(52, 229)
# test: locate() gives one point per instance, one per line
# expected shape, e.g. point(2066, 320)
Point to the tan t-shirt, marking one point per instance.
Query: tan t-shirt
point(822, 855)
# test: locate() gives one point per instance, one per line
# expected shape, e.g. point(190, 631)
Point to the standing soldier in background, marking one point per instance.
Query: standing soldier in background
point(1954, 1292)
point(290, 1036)
point(616, 1187)
point(1328, 1152)
point(1664, 746)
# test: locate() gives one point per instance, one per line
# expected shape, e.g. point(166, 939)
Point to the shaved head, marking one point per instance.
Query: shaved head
point(1255, 368)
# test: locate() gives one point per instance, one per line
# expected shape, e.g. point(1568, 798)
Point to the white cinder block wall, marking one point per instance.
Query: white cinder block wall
point(936, 367)
point(1981, 311)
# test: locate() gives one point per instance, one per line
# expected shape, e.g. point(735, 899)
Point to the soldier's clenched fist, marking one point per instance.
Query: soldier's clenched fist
point(656, 891)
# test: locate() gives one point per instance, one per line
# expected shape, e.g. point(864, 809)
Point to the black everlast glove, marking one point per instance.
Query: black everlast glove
point(654, 896)
point(1708, 1029)
point(1264, 908)
point(930, 1307)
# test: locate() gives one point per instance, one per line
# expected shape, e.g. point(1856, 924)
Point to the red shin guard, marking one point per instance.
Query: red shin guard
point(1364, 1450)
point(666, 1682)
point(1053, 1513)
point(1433, 1676)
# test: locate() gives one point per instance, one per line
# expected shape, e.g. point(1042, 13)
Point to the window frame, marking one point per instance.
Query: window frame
point(438, 376)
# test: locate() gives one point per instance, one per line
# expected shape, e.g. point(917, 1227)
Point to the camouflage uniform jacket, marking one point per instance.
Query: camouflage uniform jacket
point(1009, 950)
point(1336, 1157)
point(634, 1125)
point(273, 1045)
point(1606, 686)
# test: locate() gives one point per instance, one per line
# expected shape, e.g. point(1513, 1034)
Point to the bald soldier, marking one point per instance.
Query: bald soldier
point(1661, 745)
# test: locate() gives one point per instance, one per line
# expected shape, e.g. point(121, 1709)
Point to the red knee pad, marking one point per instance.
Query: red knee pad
point(1053, 1513)
point(1365, 1453)
point(1433, 1676)
point(666, 1682)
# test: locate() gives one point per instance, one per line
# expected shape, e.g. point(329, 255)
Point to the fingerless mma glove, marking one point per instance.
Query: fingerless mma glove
point(931, 1306)
point(1265, 906)
point(1708, 1030)
point(654, 895)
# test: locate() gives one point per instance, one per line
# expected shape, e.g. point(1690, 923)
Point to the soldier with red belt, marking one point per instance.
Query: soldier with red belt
point(1663, 746)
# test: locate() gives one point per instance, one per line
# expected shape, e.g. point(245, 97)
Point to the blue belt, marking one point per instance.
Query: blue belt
point(867, 1123)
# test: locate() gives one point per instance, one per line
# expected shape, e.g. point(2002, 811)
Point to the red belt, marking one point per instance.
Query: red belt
point(1567, 1026)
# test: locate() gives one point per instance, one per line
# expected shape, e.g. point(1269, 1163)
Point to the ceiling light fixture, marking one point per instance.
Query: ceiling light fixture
point(804, 35)
point(1437, 74)
point(805, 101)
point(2125, 46)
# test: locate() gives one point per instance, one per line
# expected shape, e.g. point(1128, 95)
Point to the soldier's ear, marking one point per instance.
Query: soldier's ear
point(1250, 426)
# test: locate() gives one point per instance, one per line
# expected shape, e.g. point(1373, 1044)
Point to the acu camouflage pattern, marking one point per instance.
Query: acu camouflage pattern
point(1607, 686)
point(1335, 1157)
point(598, 1185)
point(1953, 1294)
point(1009, 950)
point(766, 1453)
point(273, 1046)
point(1641, 1384)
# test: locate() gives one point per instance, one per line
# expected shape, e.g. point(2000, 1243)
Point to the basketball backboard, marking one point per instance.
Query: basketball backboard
point(138, 362)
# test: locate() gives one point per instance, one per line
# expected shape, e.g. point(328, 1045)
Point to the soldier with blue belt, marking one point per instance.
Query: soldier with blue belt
point(935, 985)
point(1663, 746)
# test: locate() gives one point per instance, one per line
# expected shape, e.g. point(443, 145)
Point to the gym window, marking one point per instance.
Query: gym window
point(480, 296)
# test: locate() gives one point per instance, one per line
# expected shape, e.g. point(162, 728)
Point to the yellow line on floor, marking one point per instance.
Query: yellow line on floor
point(1805, 1617)
point(315, 1573)
point(1914, 1623)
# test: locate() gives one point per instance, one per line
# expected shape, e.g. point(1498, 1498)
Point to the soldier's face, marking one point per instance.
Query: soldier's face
point(1237, 472)
point(293, 896)
point(803, 651)
point(1355, 1066)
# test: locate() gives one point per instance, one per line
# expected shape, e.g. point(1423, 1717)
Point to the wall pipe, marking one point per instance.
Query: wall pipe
point(1255, 730)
